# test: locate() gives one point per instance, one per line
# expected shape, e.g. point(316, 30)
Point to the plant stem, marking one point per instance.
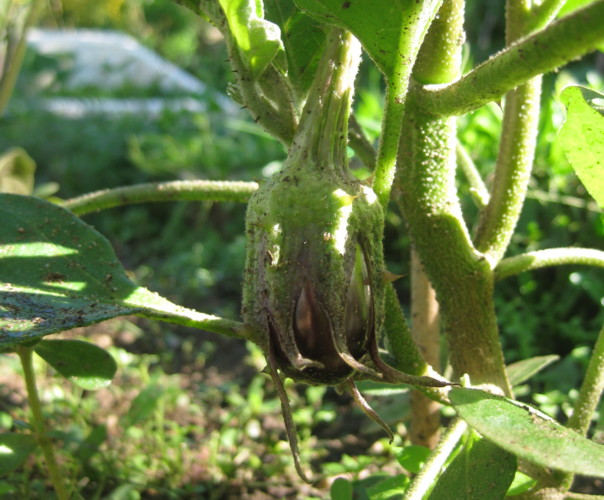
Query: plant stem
point(397, 86)
point(25, 354)
point(588, 398)
point(235, 191)
point(427, 195)
point(562, 41)
point(400, 341)
point(516, 150)
point(547, 258)
point(512, 174)
point(13, 65)
point(591, 389)
point(425, 480)
point(425, 412)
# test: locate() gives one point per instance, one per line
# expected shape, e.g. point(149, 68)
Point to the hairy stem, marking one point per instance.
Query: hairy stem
point(54, 473)
point(397, 86)
point(562, 41)
point(512, 173)
point(591, 389)
point(547, 258)
point(162, 191)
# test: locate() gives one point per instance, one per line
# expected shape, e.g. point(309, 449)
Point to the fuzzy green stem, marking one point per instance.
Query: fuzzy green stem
point(397, 86)
point(426, 193)
point(591, 389)
point(478, 190)
point(547, 258)
point(516, 150)
point(400, 341)
point(425, 480)
point(512, 174)
point(57, 479)
point(8, 80)
point(328, 105)
point(562, 41)
point(588, 399)
point(162, 191)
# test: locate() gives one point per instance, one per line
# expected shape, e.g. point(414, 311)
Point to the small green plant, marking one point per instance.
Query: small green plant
point(316, 294)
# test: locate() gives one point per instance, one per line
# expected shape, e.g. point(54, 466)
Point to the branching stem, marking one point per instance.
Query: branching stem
point(562, 41)
point(547, 258)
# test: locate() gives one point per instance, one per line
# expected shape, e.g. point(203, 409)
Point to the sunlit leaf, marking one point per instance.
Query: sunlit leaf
point(57, 273)
point(14, 450)
point(412, 457)
point(16, 172)
point(528, 433)
point(582, 137)
point(258, 40)
point(521, 371)
point(378, 24)
point(83, 363)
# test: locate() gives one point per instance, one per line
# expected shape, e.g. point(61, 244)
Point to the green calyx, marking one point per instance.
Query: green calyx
point(313, 286)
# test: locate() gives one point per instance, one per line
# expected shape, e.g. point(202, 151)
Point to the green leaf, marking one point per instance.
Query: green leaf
point(582, 137)
point(341, 489)
point(520, 484)
point(258, 40)
point(528, 433)
point(143, 405)
point(14, 450)
point(389, 489)
point(85, 364)
point(521, 371)
point(412, 457)
point(16, 172)
point(378, 24)
point(57, 273)
point(303, 39)
point(481, 471)
point(90, 446)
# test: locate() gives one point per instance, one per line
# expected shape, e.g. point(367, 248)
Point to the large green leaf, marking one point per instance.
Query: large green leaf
point(14, 450)
point(83, 363)
point(378, 24)
point(582, 137)
point(528, 433)
point(482, 470)
point(56, 273)
point(258, 40)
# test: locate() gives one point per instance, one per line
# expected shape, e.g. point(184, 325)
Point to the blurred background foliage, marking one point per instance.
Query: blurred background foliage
point(193, 253)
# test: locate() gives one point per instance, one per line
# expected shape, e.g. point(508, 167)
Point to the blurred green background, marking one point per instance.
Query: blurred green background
point(193, 253)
